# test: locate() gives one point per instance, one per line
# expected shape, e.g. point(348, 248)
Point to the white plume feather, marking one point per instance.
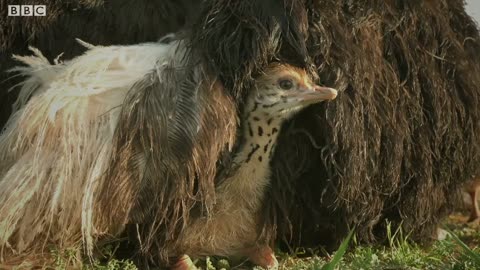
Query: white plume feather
point(57, 144)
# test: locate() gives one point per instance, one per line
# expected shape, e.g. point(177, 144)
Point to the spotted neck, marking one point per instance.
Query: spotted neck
point(260, 135)
point(249, 180)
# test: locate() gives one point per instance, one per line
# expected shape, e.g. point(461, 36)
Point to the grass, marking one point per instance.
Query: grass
point(460, 251)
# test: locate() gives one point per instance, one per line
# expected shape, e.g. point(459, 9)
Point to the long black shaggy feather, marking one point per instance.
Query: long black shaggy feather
point(402, 138)
point(398, 142)
point(252, 33)
point(175, 125)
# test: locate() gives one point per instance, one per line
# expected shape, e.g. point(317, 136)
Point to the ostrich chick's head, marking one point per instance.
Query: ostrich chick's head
point(282, 91)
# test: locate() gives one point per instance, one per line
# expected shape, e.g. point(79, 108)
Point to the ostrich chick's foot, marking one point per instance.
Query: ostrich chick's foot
point(184, 263)
point(263, 256)
point(473, 220)
point(475, 209)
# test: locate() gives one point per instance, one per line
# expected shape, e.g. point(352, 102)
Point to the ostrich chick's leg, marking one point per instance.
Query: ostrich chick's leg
point(263, 256)
point(184, 263)
point(475, 211)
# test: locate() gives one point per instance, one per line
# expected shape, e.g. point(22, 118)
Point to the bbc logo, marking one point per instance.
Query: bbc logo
point(27, 10)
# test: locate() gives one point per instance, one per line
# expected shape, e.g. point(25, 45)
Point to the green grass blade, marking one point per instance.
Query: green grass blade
point(467, 250)
point(339, 254)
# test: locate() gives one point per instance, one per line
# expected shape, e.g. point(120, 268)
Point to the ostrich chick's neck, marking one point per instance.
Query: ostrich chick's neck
point(232, 229)
point(260, 131)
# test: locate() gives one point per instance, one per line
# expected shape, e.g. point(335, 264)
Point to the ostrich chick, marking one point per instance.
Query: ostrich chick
point(231, 230)
point(473, 190)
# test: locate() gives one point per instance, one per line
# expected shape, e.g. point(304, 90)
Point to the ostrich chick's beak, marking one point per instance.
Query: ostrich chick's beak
point(315, 95)
point(325, 92)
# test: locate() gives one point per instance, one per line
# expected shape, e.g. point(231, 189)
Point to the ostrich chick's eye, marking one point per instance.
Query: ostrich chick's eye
point(286, 84)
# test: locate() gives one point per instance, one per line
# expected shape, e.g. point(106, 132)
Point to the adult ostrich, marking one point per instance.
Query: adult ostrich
point(117, 136)
point(402, 139)
point(125, 125)
point(399, 141)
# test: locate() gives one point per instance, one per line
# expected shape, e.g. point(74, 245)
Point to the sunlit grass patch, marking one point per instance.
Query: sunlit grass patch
point(459, 251)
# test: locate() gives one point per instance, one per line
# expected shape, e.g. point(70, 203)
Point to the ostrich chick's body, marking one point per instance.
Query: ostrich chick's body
point(232, 229)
